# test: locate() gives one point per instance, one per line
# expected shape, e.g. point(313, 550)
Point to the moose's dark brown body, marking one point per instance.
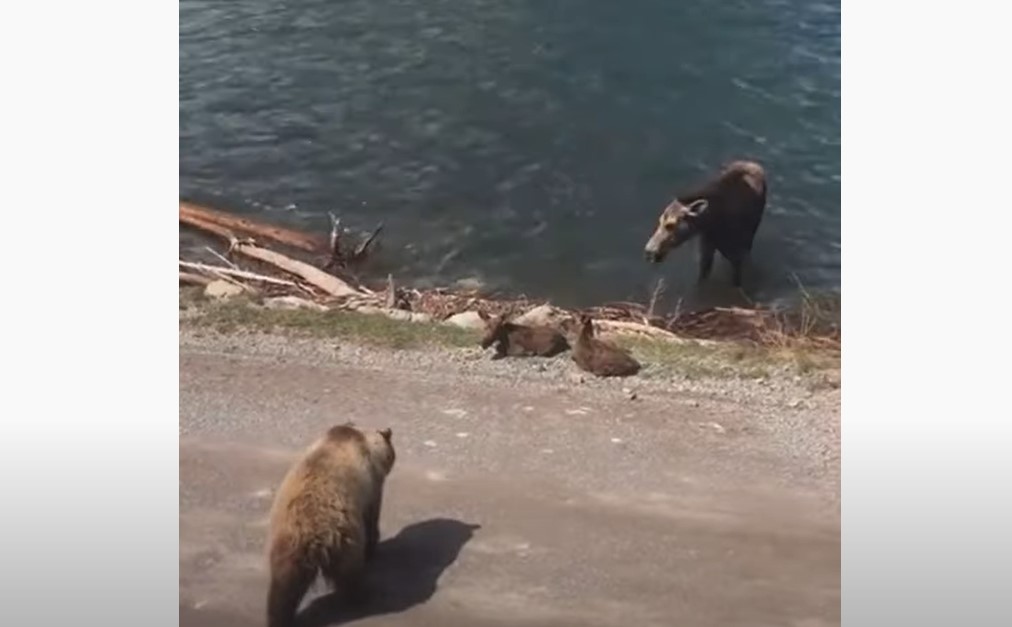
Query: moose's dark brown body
point(724, 214)
point(517, 340)
point(600, 358)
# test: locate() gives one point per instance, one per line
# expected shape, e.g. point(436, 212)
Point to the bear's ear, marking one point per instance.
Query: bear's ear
point(387, 434)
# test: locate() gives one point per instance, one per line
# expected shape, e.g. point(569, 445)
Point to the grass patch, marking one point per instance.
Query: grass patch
point(692, 360)
point(190, 295)
point(730, 359)
point(371, 329)
point(813, 322)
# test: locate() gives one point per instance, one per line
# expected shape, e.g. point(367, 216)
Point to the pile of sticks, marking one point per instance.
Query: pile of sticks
point(276, 272)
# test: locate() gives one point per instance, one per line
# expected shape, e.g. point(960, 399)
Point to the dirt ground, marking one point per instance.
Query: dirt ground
point(521, 495)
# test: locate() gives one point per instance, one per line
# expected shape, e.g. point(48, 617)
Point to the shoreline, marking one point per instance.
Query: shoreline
point(780, 393)
point(307, 284)
point(246, 316)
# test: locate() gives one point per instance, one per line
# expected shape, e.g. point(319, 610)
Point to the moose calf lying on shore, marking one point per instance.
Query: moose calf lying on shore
point(600, 358)
point(518, 340)
point(724, 214)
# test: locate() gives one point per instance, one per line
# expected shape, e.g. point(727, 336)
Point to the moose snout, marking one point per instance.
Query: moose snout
point(653, 255)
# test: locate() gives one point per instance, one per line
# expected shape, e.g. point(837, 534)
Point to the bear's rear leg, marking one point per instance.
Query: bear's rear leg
point(345, 573)
point(289, 584)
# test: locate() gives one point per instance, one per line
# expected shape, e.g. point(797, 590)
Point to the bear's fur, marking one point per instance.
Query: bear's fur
point(325, 517)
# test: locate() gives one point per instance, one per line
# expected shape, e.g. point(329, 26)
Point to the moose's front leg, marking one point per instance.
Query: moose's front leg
point(706, 253)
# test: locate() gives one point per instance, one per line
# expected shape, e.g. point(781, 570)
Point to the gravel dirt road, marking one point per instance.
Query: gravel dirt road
point(521, 496)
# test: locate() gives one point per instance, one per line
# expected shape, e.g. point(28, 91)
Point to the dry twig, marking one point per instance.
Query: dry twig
point(242, 274)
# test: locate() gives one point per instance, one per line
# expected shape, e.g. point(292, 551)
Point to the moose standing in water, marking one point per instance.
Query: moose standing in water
point(724, 214)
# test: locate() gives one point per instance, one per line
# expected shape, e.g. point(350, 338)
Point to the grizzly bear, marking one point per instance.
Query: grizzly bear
point(325, 518)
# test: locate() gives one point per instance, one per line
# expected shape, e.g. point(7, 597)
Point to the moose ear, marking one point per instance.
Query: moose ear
point(386, 433)
point(696, 208)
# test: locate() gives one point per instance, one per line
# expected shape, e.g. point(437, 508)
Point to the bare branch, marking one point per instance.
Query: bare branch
point(242, 274)
point(391, 292)
point(327, 283)
point(658, 290)
point(196, 279)
point(219, 256)
point(363, 248)
point(336, 259)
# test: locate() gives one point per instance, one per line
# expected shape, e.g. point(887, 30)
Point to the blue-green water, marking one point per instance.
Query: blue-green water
point(529, 144)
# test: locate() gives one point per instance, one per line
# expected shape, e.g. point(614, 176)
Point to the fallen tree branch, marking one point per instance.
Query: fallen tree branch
point(189, 212)
point(194, 279)
point(739, 311)
point(363, 248)
point(206, 225)
point(244, 287)
point(391, 300)
point(327, 283)
point(336, 259)
point(620, 326)
point(241, 274)
point(219, 256)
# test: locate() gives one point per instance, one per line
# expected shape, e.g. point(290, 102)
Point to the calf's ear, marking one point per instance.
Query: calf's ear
point(696, 208)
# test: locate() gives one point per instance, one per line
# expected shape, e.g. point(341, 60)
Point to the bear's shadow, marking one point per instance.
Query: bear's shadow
point(404, 573)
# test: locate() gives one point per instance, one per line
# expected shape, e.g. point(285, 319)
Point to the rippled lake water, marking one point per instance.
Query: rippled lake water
point(527, 144)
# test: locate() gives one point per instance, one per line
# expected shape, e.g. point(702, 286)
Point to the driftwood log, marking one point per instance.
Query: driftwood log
point(203, 217)
point(327, 283)
point(234, 272)
point(194, 279)
point(635, 328)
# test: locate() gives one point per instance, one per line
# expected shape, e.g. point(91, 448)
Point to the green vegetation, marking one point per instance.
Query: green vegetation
point(696, 360)
point(817, 363)
point(370, 329)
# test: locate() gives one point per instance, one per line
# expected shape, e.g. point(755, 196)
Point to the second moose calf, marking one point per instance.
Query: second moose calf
point(517, 340)
point(600, 358)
